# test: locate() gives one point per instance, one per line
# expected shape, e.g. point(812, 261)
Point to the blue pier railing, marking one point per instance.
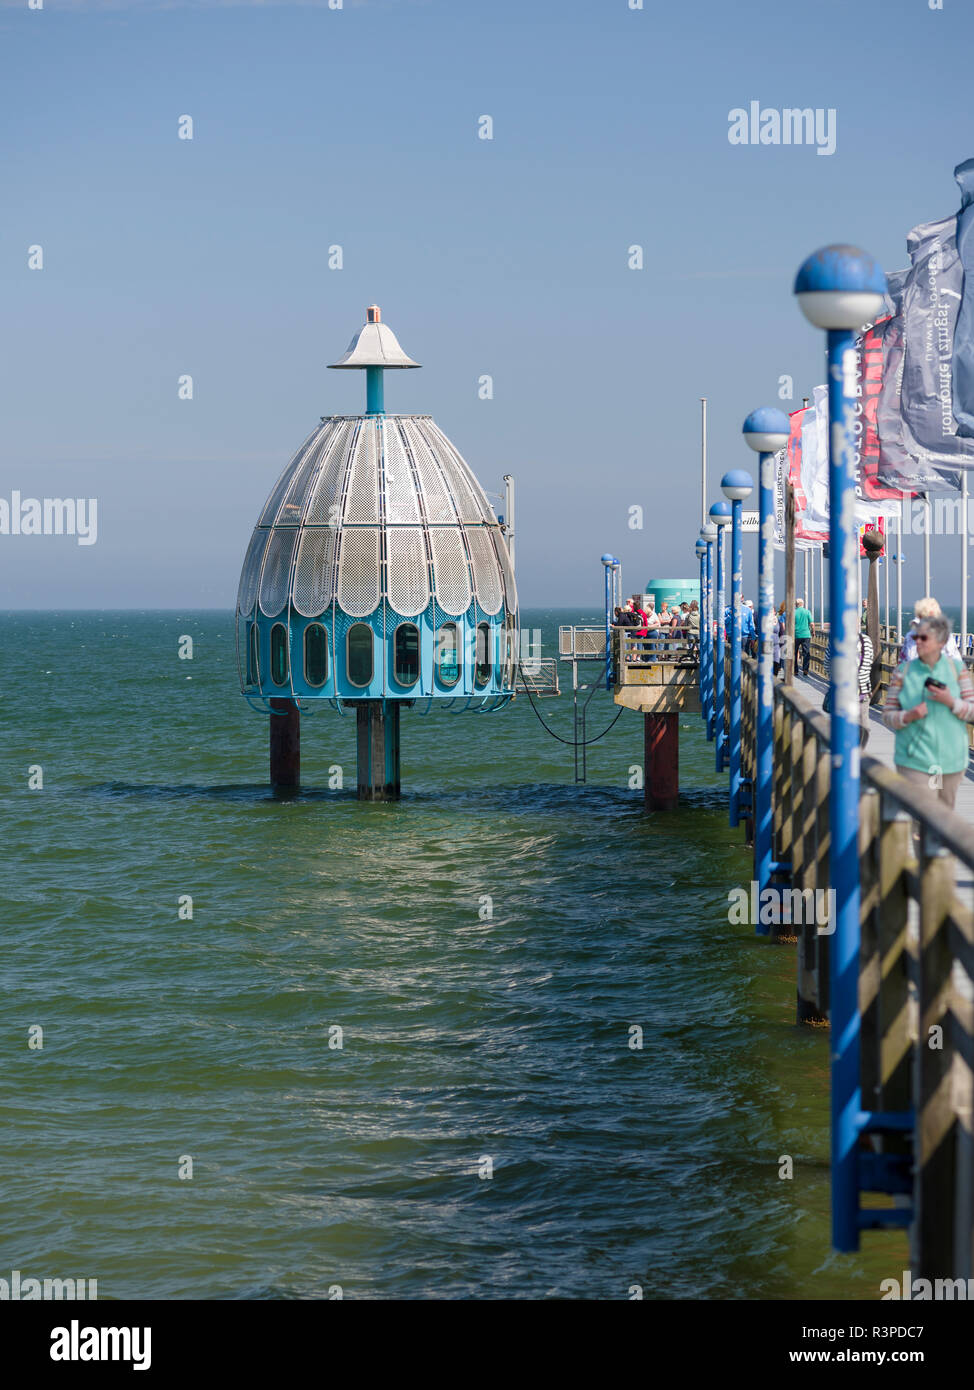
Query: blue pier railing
point(847, 854)
point(910, 1147)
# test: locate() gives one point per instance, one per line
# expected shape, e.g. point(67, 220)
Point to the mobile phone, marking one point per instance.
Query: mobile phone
point(934, 685)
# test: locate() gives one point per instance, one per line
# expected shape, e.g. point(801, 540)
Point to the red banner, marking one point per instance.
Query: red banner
point(870, 384)
point(793, 466)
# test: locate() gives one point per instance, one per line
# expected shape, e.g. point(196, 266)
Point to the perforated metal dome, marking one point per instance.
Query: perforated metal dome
point(378, 570)
point(373, 508)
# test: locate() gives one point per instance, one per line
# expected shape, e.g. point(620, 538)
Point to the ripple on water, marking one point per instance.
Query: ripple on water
point(398, 1042)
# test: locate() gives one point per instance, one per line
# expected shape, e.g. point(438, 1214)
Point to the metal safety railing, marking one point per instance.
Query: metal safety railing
point(581, 643)
point(915, 975)
point(539, 675)
point(633, 656)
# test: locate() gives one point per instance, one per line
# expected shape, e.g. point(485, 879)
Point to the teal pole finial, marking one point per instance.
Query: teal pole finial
point(374, 393)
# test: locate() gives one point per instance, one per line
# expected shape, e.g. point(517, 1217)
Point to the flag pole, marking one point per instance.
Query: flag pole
point(704, 515)
point(805, 575)
point(963, 565)
point(789, 665)
point(899, 575)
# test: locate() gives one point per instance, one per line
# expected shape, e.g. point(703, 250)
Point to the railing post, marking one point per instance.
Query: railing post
point(936, 1120)
point(807, 1003)
point(778, 731)
point(796, 802)
point(870, 960)
point(788, 716)
point(823, 871)
point(963, 1010)
point(895, 1033)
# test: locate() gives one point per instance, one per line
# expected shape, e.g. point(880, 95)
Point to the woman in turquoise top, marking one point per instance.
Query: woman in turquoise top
point(930, 720)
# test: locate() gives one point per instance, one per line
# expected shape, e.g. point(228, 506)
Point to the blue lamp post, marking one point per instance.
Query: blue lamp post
point(700, 550)
point(720, 515)
point(736, 485)
point(610, 563)
point(840, 288)
point(708, 534)
point(766, 431)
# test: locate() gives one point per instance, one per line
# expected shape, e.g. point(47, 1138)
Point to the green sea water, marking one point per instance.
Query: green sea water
point(486, 948)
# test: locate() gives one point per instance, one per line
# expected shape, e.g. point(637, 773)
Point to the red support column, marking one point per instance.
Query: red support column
point(661, 783)
point(285, 744)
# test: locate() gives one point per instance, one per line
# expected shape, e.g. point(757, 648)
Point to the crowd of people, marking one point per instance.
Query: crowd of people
point(681, 620)
point(929, 701)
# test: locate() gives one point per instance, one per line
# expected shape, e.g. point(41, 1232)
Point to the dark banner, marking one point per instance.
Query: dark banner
point(931, 298)
point(902, 463)
point(964, 328)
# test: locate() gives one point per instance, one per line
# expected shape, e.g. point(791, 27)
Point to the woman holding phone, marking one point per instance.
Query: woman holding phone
point(928, 706)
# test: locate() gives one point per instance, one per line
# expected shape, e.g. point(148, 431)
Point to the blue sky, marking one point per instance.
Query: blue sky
point(507, 257)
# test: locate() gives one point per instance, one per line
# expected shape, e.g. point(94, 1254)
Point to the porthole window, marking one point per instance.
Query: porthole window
point(448, 654)
point(253, 654)
point(279, 655)
point(358, 654)
point(406, 663)
point(482, 668)
point(315, 654)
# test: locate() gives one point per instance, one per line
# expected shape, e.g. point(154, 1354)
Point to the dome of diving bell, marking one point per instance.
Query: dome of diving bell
point(377, 568)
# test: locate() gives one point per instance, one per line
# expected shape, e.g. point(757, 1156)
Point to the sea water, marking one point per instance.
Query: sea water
point(496, 1040)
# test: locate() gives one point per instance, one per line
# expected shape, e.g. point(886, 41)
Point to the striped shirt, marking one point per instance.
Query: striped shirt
point(865, 665)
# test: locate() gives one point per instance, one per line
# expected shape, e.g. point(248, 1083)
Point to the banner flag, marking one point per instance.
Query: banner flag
point(814, 460)
point(931, 299)
point(902, 462)
point(964, 327)
point(809, 470)
point(803, 473)
point(869, 483)
point(780, 503)
point(780, 477)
